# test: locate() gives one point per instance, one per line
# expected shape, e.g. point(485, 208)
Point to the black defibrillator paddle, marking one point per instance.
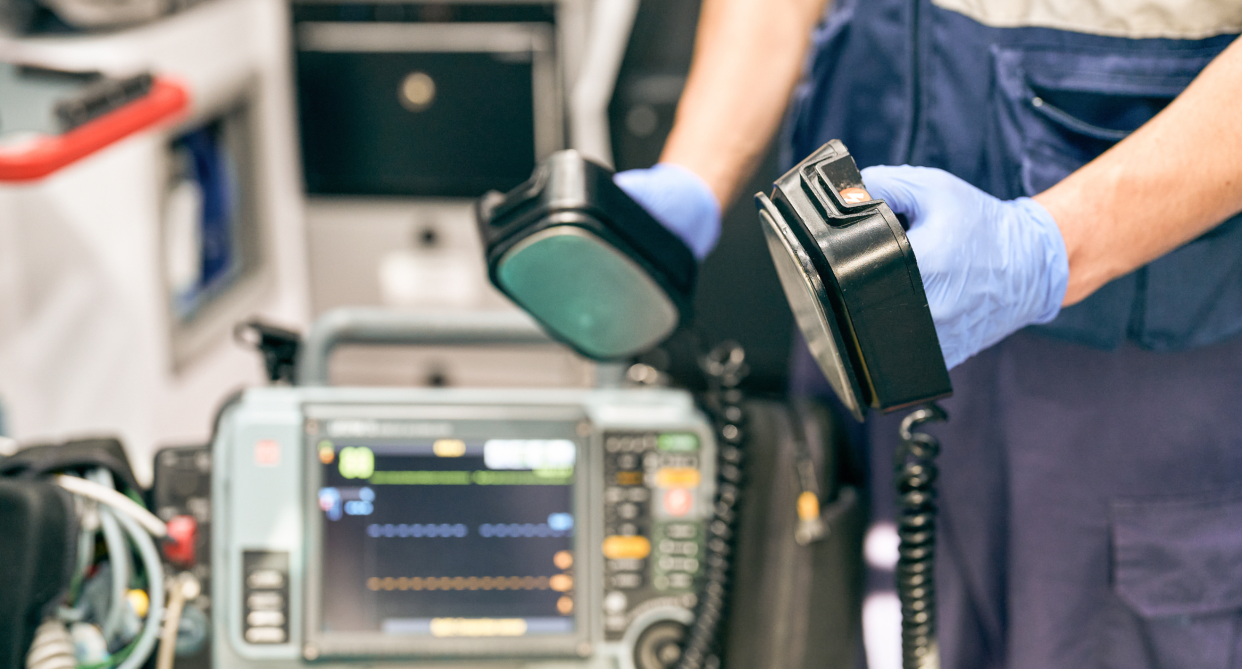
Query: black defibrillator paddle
point(582, 257)
point(851, 279)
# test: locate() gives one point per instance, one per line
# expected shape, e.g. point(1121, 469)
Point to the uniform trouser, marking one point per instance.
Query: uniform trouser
point(1091, 507)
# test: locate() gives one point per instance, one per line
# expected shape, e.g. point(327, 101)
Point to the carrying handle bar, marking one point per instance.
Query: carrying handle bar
point(364, 325)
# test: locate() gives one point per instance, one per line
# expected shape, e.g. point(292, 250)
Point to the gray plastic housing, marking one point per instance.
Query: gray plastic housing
point(263, 502)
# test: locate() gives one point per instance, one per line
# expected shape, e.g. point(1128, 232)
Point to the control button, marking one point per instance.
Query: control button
point(638, 494)
point(627, 529)
point(678, 502)
point(680, 531)
point(679, 547)
point(680, 581)
point(629, 478)
point(265, 619)
point(659, 646)
point(265, 635)
point(628, 511)
point(615, 602)
point(670, 563)
point(615, 495)
point(621, 548)
point(615, 623)
point(679, 442)
point(183, 537)
point(265, 579)
point(627, 461)
point(627, 580)
point(625, 565)
point(679, 461)
point(677, 477)
point(612, 444)
point(265, 601)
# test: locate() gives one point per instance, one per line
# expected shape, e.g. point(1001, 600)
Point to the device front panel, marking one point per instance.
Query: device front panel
point(463, 533)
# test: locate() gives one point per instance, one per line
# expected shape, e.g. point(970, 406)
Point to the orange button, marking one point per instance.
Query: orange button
point(854, 195)
point(626, 548)
point(629, 478)
point(677, 477)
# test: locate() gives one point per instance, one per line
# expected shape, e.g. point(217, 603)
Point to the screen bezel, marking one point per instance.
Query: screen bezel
point(547, 422)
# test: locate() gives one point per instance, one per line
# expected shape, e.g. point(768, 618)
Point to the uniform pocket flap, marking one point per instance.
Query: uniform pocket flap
point(1179, 556)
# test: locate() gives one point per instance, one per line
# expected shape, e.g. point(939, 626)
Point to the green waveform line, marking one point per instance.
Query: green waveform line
point(420, 478)
point(482, 477)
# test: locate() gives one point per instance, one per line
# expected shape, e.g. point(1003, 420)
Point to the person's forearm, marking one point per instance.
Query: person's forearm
point(747, 58)
point(1170, 181)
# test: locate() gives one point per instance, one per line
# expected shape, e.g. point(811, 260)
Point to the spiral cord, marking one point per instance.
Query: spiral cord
point(725, 368)
point(915, 476)
point(52, 647)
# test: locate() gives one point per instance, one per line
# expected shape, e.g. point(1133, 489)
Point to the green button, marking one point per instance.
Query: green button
point(678, 441)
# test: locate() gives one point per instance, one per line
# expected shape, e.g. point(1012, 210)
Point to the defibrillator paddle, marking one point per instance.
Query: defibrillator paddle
point(852, 281)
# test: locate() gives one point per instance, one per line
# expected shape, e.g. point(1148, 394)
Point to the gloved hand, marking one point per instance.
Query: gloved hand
point(679, 200)
point(990, 267)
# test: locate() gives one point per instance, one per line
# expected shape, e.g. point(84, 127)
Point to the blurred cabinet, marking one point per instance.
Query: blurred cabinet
point(123, 274)
point(408, 111)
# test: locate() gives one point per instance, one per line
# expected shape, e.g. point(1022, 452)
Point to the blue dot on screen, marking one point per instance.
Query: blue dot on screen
point(560, 521)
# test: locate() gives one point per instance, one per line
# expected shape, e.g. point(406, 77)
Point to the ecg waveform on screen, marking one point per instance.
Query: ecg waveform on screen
point(521, 530)
point(417, 530)
point(458, 530)
point(559, 476)
point(558, 582)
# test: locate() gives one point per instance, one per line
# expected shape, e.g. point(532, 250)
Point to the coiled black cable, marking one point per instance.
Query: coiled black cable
point(725, 368)
point(915, 477)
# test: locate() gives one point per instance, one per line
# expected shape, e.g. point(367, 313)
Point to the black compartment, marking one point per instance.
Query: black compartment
point(358, 139)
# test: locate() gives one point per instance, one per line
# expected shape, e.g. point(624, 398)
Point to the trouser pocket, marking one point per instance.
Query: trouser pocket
point(1177, 564)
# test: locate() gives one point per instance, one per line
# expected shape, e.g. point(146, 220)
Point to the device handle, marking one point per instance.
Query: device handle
point(372, 325)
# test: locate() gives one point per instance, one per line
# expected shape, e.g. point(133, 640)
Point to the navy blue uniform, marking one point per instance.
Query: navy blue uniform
point(1092, 468)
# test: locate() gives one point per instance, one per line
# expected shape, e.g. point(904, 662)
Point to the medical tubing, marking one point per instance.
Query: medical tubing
point(725, 368)
point(915, 478)
point(114, 538)
point(86, 555)
point(155, 593)
point(118, 559)
point(122, 504)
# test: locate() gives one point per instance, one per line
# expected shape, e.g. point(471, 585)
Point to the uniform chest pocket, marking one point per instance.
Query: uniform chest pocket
point(1177, 564)
point(1057, 110)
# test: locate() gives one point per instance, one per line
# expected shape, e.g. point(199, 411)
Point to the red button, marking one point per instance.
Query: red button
point(678, 501)
point(182, 537)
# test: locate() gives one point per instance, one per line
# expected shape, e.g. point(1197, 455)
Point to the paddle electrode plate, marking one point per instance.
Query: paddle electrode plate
point(851, 279)
point(586, 260)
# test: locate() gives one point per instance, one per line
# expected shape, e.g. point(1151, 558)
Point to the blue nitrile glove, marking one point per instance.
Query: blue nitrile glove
point(990, 267)
point(679, 200)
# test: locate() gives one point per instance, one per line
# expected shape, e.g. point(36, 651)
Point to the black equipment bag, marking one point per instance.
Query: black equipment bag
point(797, 606)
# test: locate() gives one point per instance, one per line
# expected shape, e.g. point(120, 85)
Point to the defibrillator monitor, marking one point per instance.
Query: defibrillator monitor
point(442, 544)
point(454, 527)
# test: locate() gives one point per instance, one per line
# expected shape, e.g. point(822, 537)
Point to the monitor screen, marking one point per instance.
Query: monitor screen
point(449, 537)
